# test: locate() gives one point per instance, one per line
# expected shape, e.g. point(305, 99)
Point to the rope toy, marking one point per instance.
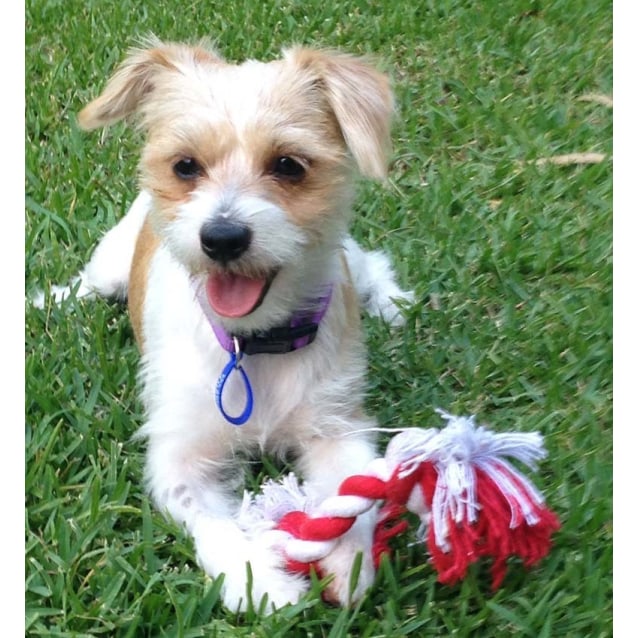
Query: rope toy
point(471, 501)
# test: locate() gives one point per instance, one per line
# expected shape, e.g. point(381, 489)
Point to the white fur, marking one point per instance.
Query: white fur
point(308, 402)
point(375, 282)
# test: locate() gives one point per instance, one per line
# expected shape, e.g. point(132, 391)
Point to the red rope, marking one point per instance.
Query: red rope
point(500, 529)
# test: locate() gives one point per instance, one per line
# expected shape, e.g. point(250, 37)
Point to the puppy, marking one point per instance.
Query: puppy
point(243, 287)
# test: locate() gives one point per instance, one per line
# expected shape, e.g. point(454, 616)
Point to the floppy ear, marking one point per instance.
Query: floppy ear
point(362, 101)
point(136, 78)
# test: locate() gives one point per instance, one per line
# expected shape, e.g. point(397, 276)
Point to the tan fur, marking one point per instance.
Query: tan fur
point(147, 243)
point(137, 77)
point(351, 303)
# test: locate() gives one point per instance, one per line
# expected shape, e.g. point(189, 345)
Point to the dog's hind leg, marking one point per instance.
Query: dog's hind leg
point(107, 272)
point(374, 280)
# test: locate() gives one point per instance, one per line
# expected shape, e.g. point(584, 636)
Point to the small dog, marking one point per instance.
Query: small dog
point(244, 286)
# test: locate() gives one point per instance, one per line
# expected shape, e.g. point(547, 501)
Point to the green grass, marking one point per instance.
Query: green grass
point(511, 263)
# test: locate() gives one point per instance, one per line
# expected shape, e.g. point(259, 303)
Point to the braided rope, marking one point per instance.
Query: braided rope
point(471, 501)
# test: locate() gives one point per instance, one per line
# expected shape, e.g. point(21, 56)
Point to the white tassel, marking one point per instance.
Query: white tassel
point(259, 512)
point(409, 448)
point(456, 451)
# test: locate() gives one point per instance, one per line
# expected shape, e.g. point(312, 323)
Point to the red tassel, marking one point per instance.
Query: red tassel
point(500, 530)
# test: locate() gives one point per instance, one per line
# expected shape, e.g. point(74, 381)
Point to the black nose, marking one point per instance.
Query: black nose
point(224, 240)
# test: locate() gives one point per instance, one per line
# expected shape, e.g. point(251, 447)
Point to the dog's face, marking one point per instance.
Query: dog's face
point(250, 166)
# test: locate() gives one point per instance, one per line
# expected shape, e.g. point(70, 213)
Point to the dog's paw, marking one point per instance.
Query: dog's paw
point(252, 569)
point(387, 302)
point(375, 282)
point(278, 586)
point(77, 288)
point(341, 564)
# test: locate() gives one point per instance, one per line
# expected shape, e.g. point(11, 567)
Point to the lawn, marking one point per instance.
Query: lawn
point(506, 242)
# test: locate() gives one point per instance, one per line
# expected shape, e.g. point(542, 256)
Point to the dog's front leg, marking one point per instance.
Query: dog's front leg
point(185, 478)
point(325, 463)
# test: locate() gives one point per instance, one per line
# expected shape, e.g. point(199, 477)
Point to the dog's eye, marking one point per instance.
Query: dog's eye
point(288, 168)
point(187, 168)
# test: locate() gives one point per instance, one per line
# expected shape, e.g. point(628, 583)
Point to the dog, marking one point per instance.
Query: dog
point(244, 287)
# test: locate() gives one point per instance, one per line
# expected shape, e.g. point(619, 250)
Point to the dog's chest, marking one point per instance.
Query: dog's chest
point(184, 364)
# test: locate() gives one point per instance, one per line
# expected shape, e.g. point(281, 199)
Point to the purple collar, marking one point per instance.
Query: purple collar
point(300, 331)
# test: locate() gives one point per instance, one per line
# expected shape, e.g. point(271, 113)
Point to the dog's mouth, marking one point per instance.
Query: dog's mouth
point(233, 295)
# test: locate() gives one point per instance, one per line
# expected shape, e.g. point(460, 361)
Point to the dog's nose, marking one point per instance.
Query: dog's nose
point(223, 240)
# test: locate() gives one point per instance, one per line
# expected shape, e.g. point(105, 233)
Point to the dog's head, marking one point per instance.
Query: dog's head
point(251, 166)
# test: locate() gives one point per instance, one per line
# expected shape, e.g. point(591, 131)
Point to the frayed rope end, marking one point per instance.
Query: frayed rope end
point(460, 481)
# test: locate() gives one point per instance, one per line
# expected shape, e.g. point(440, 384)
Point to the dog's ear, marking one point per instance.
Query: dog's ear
point(137, 77)
point(362, 101)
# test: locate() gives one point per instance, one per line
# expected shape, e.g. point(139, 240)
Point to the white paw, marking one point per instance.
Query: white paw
point(280, 587)
point(222, 548)
point(375, 282)
point(383, 303)
point(110, 264)
point(339, 564)
point(78, 287)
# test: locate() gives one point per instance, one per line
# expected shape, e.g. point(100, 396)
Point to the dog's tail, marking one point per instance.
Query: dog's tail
point(374, 280)
point(107, 273)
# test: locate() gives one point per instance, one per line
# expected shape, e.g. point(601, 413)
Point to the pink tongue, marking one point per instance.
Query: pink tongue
point(234, 295)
